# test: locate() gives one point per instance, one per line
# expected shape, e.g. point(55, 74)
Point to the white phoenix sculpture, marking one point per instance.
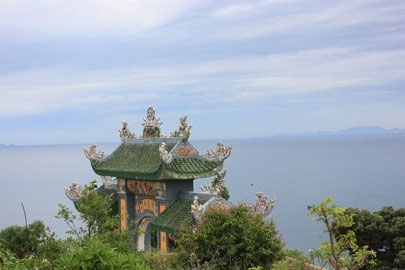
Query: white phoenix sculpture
point(262, 207)
point(217, 185)
point(73, 192)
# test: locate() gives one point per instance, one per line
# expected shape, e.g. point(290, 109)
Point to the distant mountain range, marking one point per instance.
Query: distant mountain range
point(368, 130)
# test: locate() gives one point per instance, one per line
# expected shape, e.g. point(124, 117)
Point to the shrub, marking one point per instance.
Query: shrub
point(23, 241)
point(95, 254)
point(231, 238)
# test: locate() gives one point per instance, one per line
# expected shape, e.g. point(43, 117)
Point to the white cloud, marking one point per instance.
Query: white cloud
point(336, 16)
point(250, 78)
point(248, 7)
point(90, 18)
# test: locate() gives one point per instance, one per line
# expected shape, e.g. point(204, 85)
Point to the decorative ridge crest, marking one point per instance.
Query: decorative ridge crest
point(73, 192)
point(151, 125)
point(125, 133)
point(184, 129)
point(92, 152)
point(221, 152)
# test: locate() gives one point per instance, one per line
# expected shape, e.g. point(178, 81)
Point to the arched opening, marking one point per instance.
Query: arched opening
point(144, 239)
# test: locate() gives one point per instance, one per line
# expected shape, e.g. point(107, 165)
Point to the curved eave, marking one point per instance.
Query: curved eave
point(191, 168)
point(126, 174)
point(180, 175)
point(105, 192)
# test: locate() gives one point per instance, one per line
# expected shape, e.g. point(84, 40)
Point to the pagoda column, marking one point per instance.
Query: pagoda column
point(123, 204)
point(162, 235)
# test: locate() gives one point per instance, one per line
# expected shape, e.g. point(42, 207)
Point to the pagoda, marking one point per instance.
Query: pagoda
point(151, 179)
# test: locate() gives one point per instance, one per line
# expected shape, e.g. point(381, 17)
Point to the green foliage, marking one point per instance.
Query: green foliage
point(225, 191)
point(292, 259)
point(335, 252)
point(23, 241)
point(94, 239)
point(121, 241)
point(8, 261)
point(51, 247)
point(164, 261)
point(95, 254)
point(231, 238)
point(382, 231)
point(94, 213)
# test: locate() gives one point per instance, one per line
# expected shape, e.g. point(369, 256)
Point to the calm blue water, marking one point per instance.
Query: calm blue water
point(362, 171)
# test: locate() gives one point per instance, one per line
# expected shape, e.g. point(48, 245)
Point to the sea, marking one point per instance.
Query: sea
point(363, 171)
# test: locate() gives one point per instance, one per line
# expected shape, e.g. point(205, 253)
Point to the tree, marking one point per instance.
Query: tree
point(335, 252)
point(94, 212)
point(31, 247)
point(24, 241)
point(231, 238)
point(383, 232)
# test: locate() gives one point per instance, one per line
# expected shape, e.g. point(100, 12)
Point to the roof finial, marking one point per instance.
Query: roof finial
point(184, 129)
point(151, 125)
point(125, 133)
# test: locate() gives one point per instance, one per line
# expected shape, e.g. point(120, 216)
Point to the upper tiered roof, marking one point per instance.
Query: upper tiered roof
point(152, 157)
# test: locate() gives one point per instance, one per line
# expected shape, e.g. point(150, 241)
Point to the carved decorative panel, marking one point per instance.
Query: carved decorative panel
point(186, 150)
point(147, 204)
point(157, 190)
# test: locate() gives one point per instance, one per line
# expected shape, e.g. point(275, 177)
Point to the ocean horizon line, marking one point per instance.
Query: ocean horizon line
point(308, 135)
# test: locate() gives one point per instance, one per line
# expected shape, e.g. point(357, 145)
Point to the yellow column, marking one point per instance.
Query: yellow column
point(123, 214)
point(162, 235)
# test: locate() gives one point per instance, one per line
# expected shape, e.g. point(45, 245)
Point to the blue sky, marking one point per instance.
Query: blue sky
point(71, 71)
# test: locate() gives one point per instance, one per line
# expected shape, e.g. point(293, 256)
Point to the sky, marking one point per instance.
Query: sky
point(71, 71)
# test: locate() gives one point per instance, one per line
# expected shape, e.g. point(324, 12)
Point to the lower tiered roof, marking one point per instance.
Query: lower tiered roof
point(177, 217)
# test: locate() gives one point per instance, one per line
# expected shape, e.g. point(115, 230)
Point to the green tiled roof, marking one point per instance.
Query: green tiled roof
point(176, 218)
point(186, 167)
point(140, 159)
point(133, 160)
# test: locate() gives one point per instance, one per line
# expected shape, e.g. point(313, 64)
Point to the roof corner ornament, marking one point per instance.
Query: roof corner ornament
point(109, 182)
point(221, 152)
point(92, 152)
point(73, 192)
point(151, 125)
point(125, 133)
point(263, 205)
point(197, 210)
point(184, 129)
point(217, 184)
point(164, 154)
